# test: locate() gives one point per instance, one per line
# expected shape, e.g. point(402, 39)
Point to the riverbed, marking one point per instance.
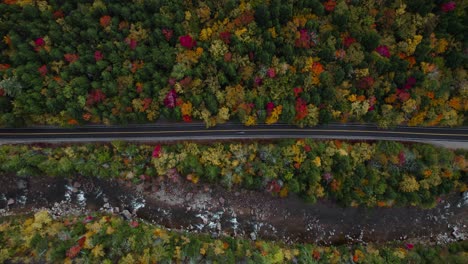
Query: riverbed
point(240, 213)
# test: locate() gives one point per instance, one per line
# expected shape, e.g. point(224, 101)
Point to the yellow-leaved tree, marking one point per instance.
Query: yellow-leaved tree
point(234, 96)
point(223, 115)
point(362, 152)
point(275, 115)
point(409, 184)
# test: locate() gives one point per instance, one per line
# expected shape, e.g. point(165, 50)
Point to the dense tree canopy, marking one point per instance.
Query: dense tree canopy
point(104, 238)
point(351, 173)
point(389, 62)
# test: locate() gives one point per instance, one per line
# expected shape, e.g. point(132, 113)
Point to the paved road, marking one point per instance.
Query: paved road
point(186, 131)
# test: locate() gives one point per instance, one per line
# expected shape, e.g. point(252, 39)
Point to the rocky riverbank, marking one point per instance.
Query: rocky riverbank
point(251, 214)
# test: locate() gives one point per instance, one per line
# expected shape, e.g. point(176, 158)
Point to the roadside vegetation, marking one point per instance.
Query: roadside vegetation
point(300, 62)
point(369, 174)
point(104, 238)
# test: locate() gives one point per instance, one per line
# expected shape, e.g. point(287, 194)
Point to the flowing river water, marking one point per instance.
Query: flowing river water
point(250, 214)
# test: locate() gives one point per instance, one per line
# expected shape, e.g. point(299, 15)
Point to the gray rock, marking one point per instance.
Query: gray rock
point(457, 234)
point(463, 200)
point(253, 236)
point(21, 184)
point(127, 214)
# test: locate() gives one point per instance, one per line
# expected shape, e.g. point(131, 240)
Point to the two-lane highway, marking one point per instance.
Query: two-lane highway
point(193, 131)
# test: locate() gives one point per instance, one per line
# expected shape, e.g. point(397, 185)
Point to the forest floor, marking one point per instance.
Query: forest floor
point(212, 209)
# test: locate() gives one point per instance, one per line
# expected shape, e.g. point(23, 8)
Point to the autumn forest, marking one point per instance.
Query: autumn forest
point(303, 63)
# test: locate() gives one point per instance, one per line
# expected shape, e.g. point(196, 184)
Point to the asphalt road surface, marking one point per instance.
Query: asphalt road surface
point(190, 131)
